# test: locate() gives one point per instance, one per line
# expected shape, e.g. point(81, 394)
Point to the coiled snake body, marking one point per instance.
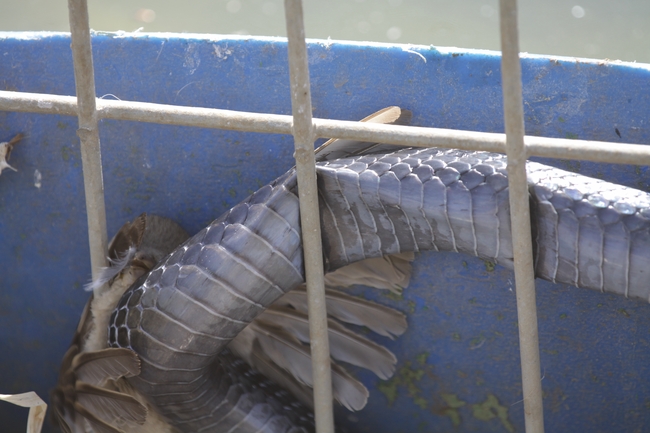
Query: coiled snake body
point(179, 318)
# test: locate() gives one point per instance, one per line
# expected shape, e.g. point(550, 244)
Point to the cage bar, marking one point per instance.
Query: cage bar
point(91, 155)
point(303, 133)
point(522, 243)
point(583, 150)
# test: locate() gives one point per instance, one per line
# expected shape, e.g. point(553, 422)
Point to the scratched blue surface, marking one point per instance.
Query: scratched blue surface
point(459, 362)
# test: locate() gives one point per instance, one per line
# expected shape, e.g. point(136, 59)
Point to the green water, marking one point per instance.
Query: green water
point(581, 28)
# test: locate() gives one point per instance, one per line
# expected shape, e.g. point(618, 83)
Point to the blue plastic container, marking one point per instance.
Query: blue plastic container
point(459, 362)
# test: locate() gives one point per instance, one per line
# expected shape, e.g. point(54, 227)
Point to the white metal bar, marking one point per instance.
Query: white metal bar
point(91, 158)
point(303, 132)
point(520, 219)
point(585, 150)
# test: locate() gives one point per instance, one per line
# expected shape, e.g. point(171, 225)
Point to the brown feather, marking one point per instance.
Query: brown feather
point(281, 377)
point(293, 356)
point(129, 235)
point(111, 406)
point(98, 425)
point(77, 401)
point(345, 345)
point(391, 272)
point(13, 142)
point(350, 309)
point(342, 148)
point(95, 367)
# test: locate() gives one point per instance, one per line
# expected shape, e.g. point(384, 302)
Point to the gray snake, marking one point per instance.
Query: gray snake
point(178, 318)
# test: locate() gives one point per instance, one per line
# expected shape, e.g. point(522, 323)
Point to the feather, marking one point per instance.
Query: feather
point(342, 148)
point(392, 272)
point(5, 152)
point(152, 237)
point(345, 345)
point(350, 309)
point(281, 377)
point(128, 236)
point(103, 304)
point(357, 350)
point(79, 404)
point(109, 273)
point(95, 367)
point(161, 238)
point(348, 391)
point(97, 425)
point(121, 251)
point(293, 356)
point(110, 406)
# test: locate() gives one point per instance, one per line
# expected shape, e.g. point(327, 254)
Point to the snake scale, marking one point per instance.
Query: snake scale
point(178, 318)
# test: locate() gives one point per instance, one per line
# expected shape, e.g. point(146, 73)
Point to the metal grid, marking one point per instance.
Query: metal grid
point(306, 130)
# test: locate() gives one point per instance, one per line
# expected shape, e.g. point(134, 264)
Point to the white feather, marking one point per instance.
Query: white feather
point(110, 272)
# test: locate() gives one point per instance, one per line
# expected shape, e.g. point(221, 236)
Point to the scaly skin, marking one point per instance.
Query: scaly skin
point(181, 316)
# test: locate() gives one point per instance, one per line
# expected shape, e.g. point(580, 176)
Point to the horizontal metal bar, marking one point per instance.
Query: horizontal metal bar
point(585, 150)
point(150, 113)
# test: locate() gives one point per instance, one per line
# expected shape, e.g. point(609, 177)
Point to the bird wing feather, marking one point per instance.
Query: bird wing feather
point(350, 309)
point(340, 148)
point(288, 353)
point(391, 272)
point(112, 363)
point(113, 407)
point(345, 345)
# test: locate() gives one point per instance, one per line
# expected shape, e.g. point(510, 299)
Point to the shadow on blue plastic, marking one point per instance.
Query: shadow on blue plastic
point(459, 362)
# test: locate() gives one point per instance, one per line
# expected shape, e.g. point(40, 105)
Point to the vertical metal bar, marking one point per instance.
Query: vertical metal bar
point(520, 216)
point(91, 158)
point(309, 217)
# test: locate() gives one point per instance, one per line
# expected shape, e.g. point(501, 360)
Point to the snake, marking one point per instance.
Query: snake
point(178, 318)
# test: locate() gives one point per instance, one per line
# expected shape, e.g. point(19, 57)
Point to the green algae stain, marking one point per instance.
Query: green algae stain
point(394, 296)
point(65, 153)
point(411, 307)
point(421, 402)
point(389, 389)
point(491, 409)
point(489, 266)
point(453, 403)
point(407, 377)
